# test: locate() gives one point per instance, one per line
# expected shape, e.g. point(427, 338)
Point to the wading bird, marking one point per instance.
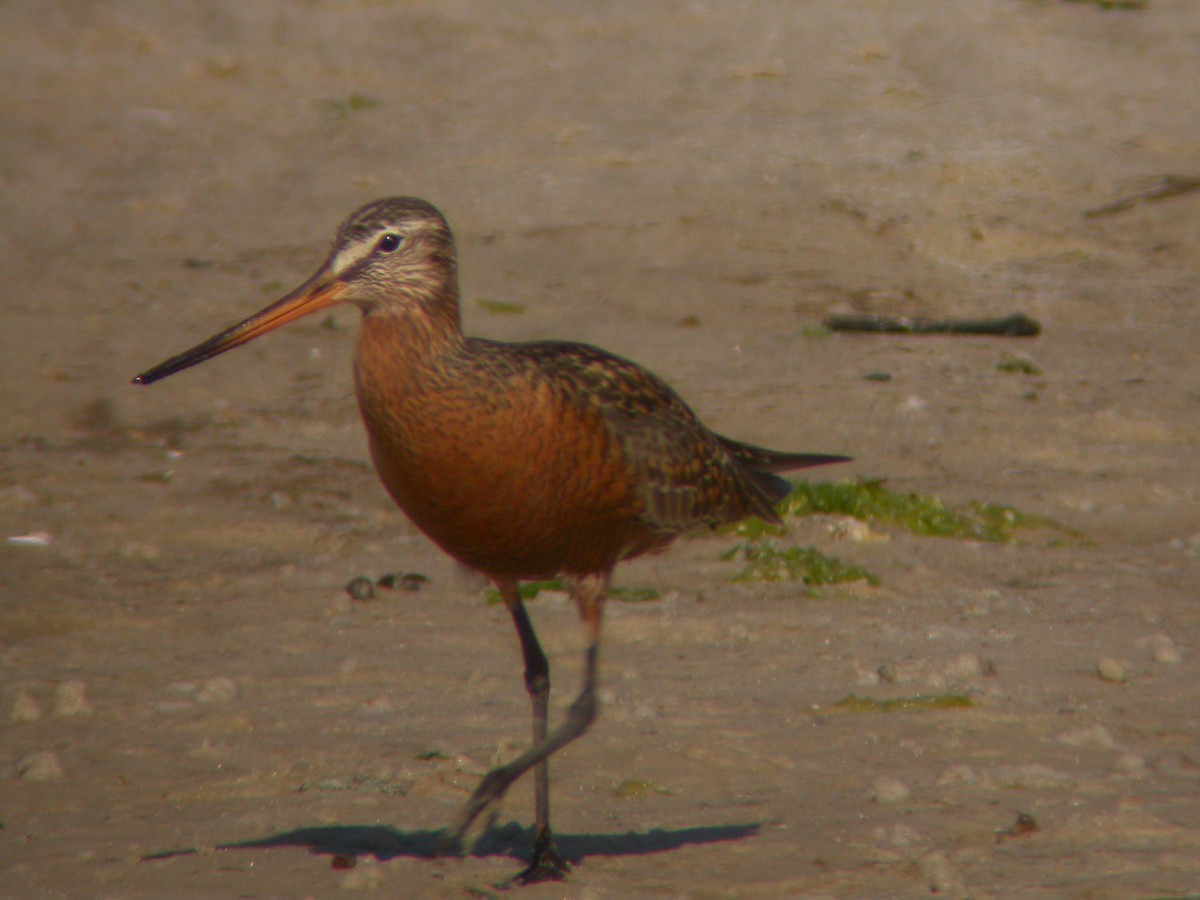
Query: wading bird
point(520, 460)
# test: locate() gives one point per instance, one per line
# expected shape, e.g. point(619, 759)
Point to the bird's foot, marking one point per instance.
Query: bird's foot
point(483, 801)
point(547, 864)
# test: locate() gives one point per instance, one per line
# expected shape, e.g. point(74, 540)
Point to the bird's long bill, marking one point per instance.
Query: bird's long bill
point(318, 292)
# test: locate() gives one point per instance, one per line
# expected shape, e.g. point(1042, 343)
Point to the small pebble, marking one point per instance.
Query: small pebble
point(866, 677)
point(412, 581)
point(409, 581)
point(958, 774)
point(645, 711)
point(1094, 736)
point(141, 551)
point(1025, 825)
point(26, 708)
point(1132, 765)
point(1164, 650)
point(1030, 776)
point(360, 588)
point(886, 789)
point(1168, 656)
point(41, 765)
point(858, 531)
point(377, 706)
point(70, 698)
point(33, 539)
point(964, 667)
point(940, 874)
point(222, 64)
point(1111, 670)
point(221, 689)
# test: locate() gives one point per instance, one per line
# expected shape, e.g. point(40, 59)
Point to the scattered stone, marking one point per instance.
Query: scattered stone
point(412, 581)
point(33, 539)
point(1167, 655)
point(1031, 776)
point(1094, 736)
point(70, 698)
point(1025, 825)
point(25, 707)
point(1132, 765)
point(141, 551)
point(901, 835)
point(1111, 669)
point(957, 774)
point(866, 677)
point(409, 581)
point(41, 765)
point(644, 711)
point(940, 874)
point(360, 588)
point(856, 530)
point(1162, 648)
point(220, 689)
point(886, 789)
point(174, 706)
point(378, 706)
point(965, 667)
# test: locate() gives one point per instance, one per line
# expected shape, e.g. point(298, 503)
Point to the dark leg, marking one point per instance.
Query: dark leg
point(590, 593)
point(547, 863)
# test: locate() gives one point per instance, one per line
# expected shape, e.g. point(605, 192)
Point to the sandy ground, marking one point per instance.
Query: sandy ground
point(694, 186)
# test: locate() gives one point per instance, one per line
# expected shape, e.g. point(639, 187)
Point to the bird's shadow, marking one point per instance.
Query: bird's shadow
point(348, 842)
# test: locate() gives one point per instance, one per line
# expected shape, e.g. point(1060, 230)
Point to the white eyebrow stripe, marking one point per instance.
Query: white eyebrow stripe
point(352, 255)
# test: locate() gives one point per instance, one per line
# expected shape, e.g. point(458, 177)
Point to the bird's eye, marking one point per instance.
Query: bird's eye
point(388, 243)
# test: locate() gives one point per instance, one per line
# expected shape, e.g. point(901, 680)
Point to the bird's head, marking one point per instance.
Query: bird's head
point(393, 257)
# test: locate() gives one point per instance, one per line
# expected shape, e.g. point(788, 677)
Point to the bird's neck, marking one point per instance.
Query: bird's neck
point(402, 350)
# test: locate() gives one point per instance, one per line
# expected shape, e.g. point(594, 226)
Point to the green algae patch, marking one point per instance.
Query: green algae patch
point(1020, 365)
point(500, 307)
point(634, 595)
point(753, 529)
point(853, 703)
point(341, 107)
point(921, 514)
point(768, 561)
point(427, 755)
point(634, 789)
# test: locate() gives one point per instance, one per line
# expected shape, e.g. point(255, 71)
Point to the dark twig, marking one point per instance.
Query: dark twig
point(1018, 325)
point(1168, 186)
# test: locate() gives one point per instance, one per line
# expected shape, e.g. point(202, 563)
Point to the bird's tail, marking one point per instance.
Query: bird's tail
point(760, 465)
point(761, 459)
